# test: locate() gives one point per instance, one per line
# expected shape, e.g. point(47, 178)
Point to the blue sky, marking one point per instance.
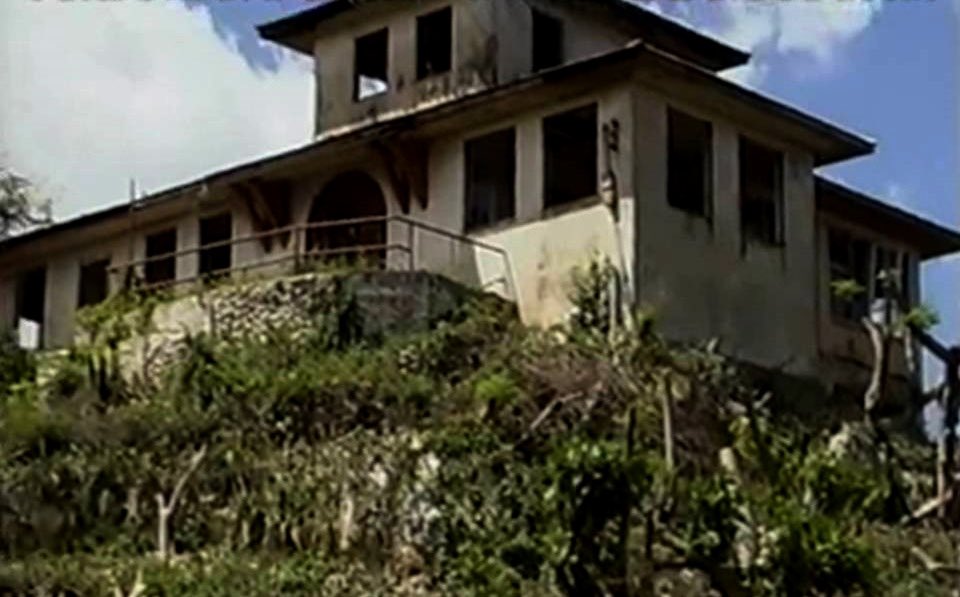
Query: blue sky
point(895, 82)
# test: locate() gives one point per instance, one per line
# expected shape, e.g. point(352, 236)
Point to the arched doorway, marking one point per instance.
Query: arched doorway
point(349, 196)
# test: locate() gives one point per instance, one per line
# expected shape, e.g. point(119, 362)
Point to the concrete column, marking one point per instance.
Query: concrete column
point(188, 237)
point(63, 274)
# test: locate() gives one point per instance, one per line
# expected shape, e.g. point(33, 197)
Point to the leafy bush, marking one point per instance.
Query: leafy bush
point(478, 458)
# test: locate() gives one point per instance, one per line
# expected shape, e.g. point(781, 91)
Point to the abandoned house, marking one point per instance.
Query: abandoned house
point(502, 143)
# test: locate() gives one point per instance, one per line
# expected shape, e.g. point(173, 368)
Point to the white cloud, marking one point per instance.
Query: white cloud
point(813, 29)
point(898, 195)
point(95, 93)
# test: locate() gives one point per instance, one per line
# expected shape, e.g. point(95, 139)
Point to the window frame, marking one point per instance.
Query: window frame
point(167, 258)
point(706, 193)
point(869, 304)
point(422, 43)
point(357, 76)
point(542, 56)
point(208, 253)
point(470, 199)
point(86, 267)
point(749, 232)
point(550, 200)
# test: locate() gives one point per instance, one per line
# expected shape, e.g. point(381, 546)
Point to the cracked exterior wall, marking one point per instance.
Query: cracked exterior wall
point(694, 273)
point(492, 45)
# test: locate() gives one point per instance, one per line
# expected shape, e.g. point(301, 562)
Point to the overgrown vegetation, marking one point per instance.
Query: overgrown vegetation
point(481, 458)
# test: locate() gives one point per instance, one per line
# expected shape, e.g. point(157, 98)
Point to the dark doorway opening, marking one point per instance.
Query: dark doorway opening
point(31, 307)
point(348, 197)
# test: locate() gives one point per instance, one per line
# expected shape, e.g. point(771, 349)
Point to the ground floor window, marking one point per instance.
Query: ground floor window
point(31, 307)
point(94, 283)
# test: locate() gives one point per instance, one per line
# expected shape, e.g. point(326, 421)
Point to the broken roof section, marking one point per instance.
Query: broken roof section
point(296, 31)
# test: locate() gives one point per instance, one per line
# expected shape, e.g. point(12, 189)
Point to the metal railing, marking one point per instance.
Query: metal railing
point(292, 245)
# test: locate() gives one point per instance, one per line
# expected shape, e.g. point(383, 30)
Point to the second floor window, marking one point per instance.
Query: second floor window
point(371, 65)
point(547, 41)
point(570, 156)
point(490, 175)
point(94, 283)
point(689, 163)
point(434, 43)
point(215, 250)
point(161, 263)
point(761, 193)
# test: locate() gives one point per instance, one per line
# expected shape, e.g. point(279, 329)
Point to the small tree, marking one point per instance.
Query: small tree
point(20, 208)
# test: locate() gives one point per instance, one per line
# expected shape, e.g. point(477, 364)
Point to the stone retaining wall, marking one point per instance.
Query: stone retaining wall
point(373, 305)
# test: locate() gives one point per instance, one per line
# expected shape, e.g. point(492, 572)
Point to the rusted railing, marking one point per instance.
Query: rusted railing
point(294, 247)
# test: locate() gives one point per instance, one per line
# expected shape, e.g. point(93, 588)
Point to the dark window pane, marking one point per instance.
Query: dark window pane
point(570, 156)
point(434, 43)
point(849, 262)
point(490, 164)
point(547, 41)
point(370, 65)
point(761, 193)
point(215, 230)
point(161, 264)
point(94, 283)
point(689, 156)
point(32, 295)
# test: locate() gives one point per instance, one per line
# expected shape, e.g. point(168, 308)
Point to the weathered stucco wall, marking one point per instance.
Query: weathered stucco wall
point(366, 305)
point(544, 245)
point(474, 60)
point(492, 44)
point(695, 273)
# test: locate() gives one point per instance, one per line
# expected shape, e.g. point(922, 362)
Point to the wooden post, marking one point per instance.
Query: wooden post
point(946, 455)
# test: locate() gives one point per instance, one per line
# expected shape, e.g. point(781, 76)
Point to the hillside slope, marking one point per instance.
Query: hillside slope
point(479, 458)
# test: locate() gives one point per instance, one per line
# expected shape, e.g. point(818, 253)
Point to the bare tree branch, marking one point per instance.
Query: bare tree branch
point(166, 507)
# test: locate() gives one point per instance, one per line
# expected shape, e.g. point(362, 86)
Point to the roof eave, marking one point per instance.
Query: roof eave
point(932, 240)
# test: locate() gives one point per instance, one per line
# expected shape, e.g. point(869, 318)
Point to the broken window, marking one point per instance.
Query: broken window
point(490, 174)
point(215, 249)
point(434, 43)
point(761, 193)
point(689, 163)
point(547, 41)
point(161, 265)
point(849, 262)
point(94, 283)
point(31, 307)
point(570, 156)
point(370, 65)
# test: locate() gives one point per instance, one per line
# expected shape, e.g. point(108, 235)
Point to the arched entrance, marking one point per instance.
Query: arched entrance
point(349, 196)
